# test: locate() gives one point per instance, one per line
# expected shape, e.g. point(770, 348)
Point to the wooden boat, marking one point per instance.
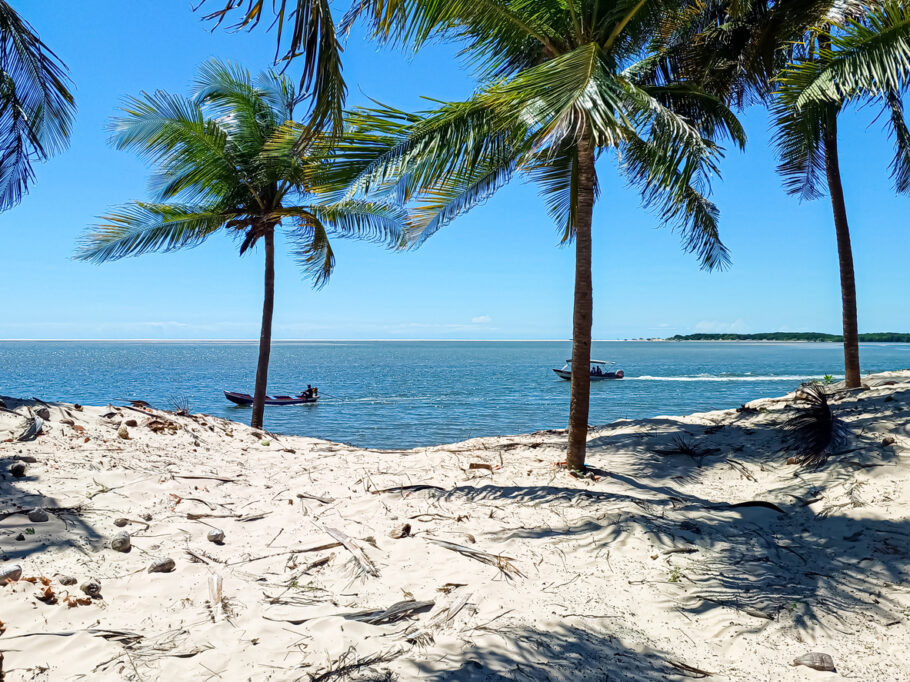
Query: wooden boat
point(596, 375)
point(247, 399)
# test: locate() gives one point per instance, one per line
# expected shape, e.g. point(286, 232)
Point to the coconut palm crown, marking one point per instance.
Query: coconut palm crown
point(215, 171)
point(562, 81)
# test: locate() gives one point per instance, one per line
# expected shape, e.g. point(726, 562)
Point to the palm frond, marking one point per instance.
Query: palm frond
point(312, 38)
point(36, 105)
point(312, 249)
point(140, 227)
point(900, 165)
point(798, 137)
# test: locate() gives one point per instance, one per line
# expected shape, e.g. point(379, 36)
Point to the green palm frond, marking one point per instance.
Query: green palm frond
point(798, 137)
point(312, 38)
point(867, 56)
point(312, 249)
point(557, 177)
point(36, 105)
point(900, 165)
point(140, 227)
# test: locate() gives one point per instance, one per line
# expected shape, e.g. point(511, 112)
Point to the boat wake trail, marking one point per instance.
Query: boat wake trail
point(722, 377)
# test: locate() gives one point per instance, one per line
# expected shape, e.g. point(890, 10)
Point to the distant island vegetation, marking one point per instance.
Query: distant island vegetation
point(877, 337)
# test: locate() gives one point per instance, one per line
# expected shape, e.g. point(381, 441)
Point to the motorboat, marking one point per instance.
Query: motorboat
point(598, 371)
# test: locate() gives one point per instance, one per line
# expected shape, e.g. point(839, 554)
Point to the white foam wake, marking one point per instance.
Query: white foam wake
point(739, 377)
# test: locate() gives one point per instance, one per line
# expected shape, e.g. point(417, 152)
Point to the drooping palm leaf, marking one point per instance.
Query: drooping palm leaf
point(36, 105)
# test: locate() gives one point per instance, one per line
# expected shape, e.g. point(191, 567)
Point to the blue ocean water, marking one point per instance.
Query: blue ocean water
point(395, 394)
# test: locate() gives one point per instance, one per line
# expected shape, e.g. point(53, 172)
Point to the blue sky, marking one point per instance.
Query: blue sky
point(496, 273)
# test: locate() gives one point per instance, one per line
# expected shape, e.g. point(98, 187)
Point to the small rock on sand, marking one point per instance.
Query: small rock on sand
point(9, 572)
point(888, 440)
point(44, 413)
point(162, 565)
point(91, 588)
point(37, 515)
point(401, 531)
point(20, 538)
point(17, 469)
point(123, 432)
point(215, 535)
point(816, 661)
point(66, 580)
point(131, 423)
point(121, 522)
point(121, 542)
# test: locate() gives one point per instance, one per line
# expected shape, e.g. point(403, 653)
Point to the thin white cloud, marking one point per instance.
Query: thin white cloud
point(481, 319)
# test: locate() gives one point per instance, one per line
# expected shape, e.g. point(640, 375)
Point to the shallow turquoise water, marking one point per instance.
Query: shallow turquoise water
point(406, 393)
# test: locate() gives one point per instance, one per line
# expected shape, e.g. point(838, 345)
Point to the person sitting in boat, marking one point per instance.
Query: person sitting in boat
point(315, 392)
point(308, 393)
point(595, 371)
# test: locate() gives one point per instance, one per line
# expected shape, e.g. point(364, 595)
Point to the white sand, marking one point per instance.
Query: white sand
point(594, 587)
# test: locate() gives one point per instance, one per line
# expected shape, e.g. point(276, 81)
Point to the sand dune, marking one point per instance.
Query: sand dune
point(479, 560)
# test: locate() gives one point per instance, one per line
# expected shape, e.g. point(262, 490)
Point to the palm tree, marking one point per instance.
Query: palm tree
point(864, 59)
point(561, 82)
point(216, 170)
point(786, 54)
point(36, 106)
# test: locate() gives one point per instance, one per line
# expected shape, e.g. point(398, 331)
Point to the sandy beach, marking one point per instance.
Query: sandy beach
point(480, 560)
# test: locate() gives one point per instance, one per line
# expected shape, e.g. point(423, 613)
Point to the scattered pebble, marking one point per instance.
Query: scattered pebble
point(401, 531)
point(37, 515)
point(121, 522)
point(162, 565)
point(121, 542)
point(123, 432)
point(44, 413)
point(66, 580)
point(888, 440)
point(20, 538)
point(816, 661)
point(146, 517)
point(30, 459)
point(215, 535)
point(131, 423)
point(91, 588)
point(10, 572)
point(17, 469)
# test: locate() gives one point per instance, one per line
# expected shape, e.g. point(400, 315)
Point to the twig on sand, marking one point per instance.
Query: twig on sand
point(503, 563)
point(299, 550)
point(223, 479)
point(307, 496)
point(348, 662)
point(366, 565)
point(408, 488)
point(696, 672)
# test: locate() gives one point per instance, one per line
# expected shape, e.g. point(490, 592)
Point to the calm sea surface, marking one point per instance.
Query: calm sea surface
point(393, 394)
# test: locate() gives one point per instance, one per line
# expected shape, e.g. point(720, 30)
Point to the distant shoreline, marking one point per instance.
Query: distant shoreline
point(798, 337)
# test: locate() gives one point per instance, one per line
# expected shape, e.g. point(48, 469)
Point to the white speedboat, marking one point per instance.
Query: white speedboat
point(598, 371)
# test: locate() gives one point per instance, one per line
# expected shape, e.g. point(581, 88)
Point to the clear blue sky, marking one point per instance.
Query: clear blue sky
point(495, 273)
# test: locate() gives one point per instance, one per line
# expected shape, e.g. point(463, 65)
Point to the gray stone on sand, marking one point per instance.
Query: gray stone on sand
point(91, 588)
point(162, 565)
point(44, 413)
point(10, 572)
point(121, 522)
point(37, 515)
point(121, 542)
point(17, 469)
point(215, 535)
point(66, 580)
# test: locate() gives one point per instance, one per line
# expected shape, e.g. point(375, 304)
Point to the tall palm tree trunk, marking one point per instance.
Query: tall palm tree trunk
point(583, 313)
point(265, 337)
point(844, 254)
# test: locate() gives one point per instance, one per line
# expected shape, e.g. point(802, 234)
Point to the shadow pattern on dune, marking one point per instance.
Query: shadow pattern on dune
point(16, 499)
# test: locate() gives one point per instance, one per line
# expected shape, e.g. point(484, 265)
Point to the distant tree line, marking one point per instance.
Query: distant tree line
point(877, 337)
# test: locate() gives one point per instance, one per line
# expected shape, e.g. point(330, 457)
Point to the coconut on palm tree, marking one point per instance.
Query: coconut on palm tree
point(216, 171)
point(36, 105)
point(561, 83)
